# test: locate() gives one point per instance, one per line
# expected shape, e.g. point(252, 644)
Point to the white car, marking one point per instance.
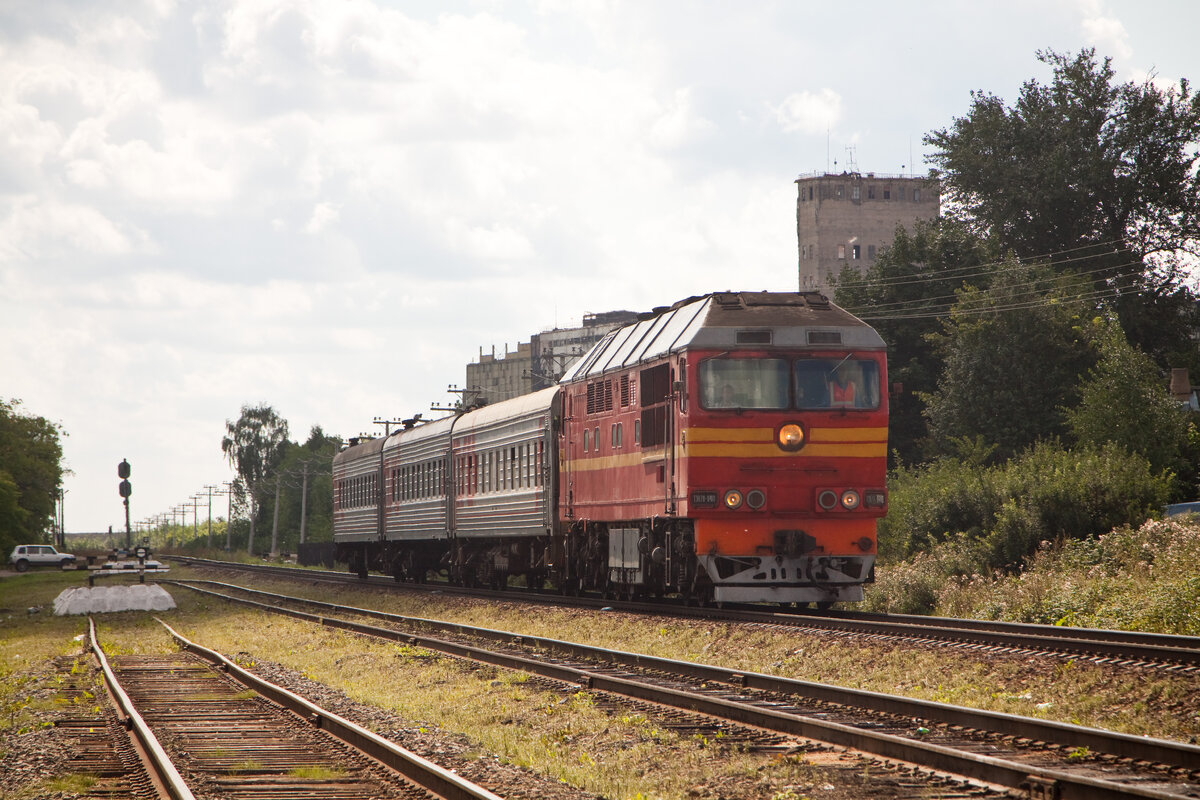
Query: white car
point(25, 556)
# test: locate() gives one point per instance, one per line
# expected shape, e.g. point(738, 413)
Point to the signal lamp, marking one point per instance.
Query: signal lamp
point(755, 498)
point(790, 437)
point(827, 500)
point(733, 499)
point(850, 499)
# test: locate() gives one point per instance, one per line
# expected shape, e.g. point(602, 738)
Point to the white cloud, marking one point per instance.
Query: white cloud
point(323, 215)
point(809, 112)
point(1103, 31)
point(1108, 35)
point(286, 200)
point(44, 231)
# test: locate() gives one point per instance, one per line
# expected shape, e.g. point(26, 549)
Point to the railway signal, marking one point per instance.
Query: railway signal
point(125, 488)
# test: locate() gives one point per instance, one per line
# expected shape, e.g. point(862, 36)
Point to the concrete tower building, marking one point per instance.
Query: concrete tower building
point(843, 220)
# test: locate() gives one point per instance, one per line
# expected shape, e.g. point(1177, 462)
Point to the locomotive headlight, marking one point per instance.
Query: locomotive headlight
point(790, 437)
point(850, 499)
point(733, 499)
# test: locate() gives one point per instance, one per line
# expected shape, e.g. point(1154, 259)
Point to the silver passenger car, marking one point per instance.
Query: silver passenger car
point(356, 492)
point(502, 461)
point(416, 467)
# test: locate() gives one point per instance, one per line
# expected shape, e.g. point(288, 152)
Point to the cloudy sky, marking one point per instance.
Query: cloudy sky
point(329, 206)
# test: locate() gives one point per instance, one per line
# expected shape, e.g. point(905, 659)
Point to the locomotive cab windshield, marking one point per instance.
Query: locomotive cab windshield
point(806, 384)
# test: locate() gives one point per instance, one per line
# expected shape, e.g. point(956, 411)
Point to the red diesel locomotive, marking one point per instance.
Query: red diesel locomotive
point(730, 448)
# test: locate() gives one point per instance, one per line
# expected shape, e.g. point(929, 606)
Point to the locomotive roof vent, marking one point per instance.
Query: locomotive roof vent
point(816, 300)
point(728, 299)
point(754, 337)
point(824, 337)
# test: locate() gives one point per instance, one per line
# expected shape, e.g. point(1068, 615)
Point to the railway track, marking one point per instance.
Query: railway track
point(1176, 654)
point(203, 727)
point(1035, 757)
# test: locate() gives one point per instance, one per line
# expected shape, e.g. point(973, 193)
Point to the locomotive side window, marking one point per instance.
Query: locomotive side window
point(655, 388)
point(837, 383)
point(753, 383)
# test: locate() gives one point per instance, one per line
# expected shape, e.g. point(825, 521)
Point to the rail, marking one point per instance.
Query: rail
point(421, 771)
point(1135, 647)
point(159, 765)
point(991, 769)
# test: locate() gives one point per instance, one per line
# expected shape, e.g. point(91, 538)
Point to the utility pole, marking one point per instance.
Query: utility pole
point(228, 514)
point(304, 502)
point(210, 494)
point(62, 525)
point(387, 424)
point(275, 522)
point(194, 502)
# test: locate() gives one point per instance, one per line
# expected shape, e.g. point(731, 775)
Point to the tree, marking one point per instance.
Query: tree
point(1125, 401)
point(31, 455)
point(1013, 353)
point(13, 518)
point(1098, 176)
point(904, 295)
point(254, 446)
point(313, 459)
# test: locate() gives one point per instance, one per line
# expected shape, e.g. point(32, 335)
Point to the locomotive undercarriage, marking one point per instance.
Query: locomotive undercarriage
point(640, 558)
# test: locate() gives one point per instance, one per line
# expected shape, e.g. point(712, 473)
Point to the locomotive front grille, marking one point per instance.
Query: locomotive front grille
point(793, 543)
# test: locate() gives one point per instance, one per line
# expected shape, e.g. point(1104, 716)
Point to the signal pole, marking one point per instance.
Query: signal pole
point(126, 489)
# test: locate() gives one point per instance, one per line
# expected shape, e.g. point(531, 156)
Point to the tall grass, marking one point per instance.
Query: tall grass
point(1141, 578)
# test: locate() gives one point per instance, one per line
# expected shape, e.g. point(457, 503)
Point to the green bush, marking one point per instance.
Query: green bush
point(1131, 578)
point(1046, 494)
point(954, 530)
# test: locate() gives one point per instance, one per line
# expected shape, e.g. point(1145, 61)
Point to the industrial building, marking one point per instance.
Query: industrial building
point(845, 219)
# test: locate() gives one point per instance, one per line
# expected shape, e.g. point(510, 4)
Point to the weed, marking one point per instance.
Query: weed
point(317, 773)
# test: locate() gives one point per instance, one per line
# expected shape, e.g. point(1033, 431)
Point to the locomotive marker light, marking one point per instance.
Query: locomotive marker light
point(733, 499)
point(850, 499)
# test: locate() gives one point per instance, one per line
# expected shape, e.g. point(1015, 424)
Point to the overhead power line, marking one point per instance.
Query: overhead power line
point(974, 270)
point(951, 299)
